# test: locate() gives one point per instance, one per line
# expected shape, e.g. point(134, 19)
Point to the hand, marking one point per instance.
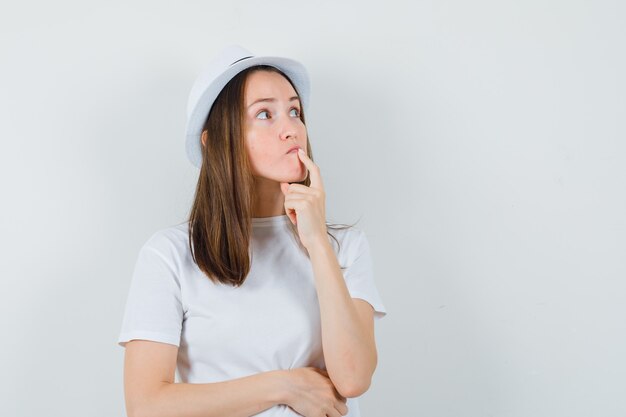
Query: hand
point(306, 206)
point(312, 393)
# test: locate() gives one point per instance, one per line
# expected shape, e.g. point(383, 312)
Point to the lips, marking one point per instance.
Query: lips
point(293, 148)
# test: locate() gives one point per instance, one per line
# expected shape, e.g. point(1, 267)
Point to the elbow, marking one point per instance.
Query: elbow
point(359, 383)
point(135, 408)
point(137, 411)
point(145, 405)
point(354, 388)
point(132, 412)
point(141, 411)
point(132, 409)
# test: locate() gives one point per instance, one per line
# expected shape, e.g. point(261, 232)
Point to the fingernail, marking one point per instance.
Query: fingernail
point(301, 151)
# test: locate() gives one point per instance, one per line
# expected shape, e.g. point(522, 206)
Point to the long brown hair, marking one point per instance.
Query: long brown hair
point(220, 220)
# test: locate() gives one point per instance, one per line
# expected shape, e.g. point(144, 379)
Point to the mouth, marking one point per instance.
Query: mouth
point(293, 149)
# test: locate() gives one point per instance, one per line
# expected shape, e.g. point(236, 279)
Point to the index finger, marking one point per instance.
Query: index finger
point(316, 179)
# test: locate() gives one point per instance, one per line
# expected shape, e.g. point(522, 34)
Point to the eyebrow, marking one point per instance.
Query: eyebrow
point(271, 99)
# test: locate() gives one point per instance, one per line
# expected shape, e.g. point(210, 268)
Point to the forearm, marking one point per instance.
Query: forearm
point(349, 354)
point(241, 397)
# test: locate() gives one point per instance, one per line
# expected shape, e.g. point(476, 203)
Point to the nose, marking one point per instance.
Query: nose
point(288, 129)
point(288, 133)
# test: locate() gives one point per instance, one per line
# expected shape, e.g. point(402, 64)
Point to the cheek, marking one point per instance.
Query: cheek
point(258, 155)
point(259, 145)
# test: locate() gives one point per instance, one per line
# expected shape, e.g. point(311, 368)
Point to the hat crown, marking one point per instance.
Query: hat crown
point(234, 53)
point(216, 66)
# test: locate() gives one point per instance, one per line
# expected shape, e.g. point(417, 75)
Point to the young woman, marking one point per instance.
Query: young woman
point(261, 306)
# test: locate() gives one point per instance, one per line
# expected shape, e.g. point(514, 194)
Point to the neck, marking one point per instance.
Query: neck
point(269, 200)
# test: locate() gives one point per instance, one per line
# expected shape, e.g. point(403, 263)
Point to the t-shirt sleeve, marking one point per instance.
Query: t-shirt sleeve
point(154, 308)
point(359, 274)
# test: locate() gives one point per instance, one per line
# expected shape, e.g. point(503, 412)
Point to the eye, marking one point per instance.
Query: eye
point(297, 114)
point(262, 111)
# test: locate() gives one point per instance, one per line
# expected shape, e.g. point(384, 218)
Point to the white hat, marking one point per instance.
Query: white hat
point(220, 70)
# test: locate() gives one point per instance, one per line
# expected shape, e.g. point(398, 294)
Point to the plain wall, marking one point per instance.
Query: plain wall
point(481, 144)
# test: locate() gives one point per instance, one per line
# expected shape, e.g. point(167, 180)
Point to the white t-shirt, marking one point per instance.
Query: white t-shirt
point(270, 322)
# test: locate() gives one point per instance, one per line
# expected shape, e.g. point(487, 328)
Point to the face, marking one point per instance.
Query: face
point(273, 127)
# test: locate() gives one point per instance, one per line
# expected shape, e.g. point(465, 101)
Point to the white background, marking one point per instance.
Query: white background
point(482, 145)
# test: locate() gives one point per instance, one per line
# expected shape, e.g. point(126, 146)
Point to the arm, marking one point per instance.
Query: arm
point(347, 325)
point(150, 391)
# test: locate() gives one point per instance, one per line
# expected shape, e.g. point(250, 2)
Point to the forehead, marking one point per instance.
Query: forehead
point(264, 84)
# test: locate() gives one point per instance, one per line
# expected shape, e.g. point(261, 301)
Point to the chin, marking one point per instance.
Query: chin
point(295, 177)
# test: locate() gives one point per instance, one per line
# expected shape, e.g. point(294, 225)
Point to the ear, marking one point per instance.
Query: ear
point(203, 138)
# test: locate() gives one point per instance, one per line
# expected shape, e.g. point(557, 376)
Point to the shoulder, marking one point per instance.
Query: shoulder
point(170, 242)
point(351, 241)
point(349, 235)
